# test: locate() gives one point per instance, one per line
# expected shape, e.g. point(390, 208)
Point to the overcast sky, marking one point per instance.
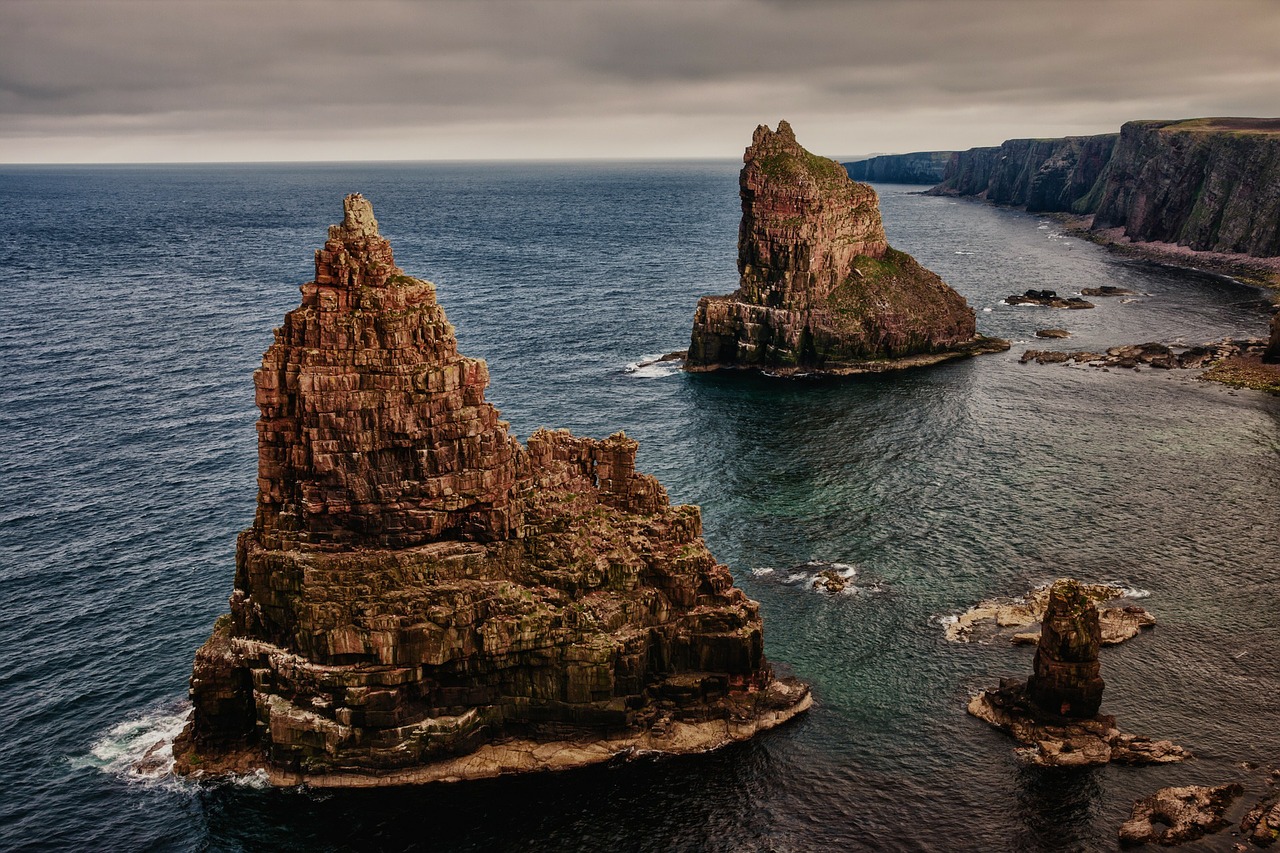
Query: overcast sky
point(201, 80)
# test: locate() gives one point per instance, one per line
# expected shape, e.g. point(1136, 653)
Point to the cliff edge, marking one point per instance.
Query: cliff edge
point(421, 597)
point(820, 289)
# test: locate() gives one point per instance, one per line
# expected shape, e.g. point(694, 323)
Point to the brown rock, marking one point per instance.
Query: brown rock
point(1067, 680)
point(820, 288)
point(421, 597)
point(1273, 345)
point(1055, 712)
point(1047, 298)
point(1175, 815)
point(1011, 618)
point(1262, 824)
point(1052, 333)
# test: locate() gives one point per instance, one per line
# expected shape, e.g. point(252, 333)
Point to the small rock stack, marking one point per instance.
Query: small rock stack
point(1067, 680)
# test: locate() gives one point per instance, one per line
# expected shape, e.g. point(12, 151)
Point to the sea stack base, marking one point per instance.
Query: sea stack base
point(1054, 741)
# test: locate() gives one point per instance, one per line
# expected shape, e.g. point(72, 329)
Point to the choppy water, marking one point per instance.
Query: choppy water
point(137, 302)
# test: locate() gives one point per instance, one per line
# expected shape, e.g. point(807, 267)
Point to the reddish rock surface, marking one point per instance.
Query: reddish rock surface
point(1177, 815)
point(820, 288)
point(421, 597)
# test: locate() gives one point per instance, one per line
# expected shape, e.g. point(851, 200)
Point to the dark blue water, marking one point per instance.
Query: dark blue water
point(137, 302)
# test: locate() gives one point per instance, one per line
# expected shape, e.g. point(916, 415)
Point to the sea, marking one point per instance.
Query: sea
point(137, 301)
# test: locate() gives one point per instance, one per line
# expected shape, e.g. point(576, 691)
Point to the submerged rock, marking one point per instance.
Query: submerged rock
point(820, 288)
point(1052, 333)
point(421, 597)
point(1055, 712)
point(1010, 618)
point(1233, 362)
point(1175, 815)
point(1107, 290)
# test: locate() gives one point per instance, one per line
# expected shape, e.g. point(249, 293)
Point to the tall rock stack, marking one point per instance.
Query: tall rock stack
point(820, 288)
point(421, 597)
point(1066, 680)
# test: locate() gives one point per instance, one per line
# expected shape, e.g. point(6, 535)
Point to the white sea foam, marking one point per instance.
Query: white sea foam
point(962, 252)
point(650, 367)
point(761, 572)
point(987, 310)
point(121, 750)
point(797, 577)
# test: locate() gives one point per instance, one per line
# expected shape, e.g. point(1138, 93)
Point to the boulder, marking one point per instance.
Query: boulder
point(1176, 815)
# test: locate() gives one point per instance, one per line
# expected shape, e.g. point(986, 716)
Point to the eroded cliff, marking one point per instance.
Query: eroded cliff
point(1210, 184)
point(820, 289)
point(920, 167)
point(422, 597)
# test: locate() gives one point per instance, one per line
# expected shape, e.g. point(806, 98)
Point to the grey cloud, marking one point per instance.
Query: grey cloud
point(136, 69)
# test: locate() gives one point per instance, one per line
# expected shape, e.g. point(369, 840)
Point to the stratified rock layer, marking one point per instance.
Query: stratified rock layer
point(421, 597)
point(820, 288)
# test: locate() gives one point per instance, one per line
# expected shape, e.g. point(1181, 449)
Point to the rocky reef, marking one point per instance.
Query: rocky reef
point(1017, 620)
point(421, 597)
point(1055, 713)
point(820, 290)
point(1047, 299)
point(1239, 363)
point(1176, 815)
point(920, 167)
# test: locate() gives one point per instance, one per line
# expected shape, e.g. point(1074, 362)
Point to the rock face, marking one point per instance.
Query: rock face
point(1047, 298)
point(1175, 815)
point(920, 167)
point(1210, 184)
point(1067, 680)
point(1044, 175)
point(820, 289)
point(1273, 347)
point(1262, 824)
point(421, 597)
point(1054, 714)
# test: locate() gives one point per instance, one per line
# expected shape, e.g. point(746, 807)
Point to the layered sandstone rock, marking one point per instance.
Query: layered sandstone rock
point(1176, 815)
point(421, 597)
point(820, 288)
point(1054, 714)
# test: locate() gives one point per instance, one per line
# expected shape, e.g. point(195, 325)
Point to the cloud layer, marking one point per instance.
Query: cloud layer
point(313, 79)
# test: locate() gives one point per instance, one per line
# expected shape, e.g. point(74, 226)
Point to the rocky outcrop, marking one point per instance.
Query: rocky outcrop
point(1154, 354)
point(920, 167)
point(422, 597)
point(1044, 175)
point(1176, 815)
point(820, 288)
point(1054, 714)
point(1273, 346)
point(1011, 619)
point(1047, 299)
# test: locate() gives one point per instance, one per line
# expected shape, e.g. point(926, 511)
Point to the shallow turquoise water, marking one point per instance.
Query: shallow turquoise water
point(139, 300)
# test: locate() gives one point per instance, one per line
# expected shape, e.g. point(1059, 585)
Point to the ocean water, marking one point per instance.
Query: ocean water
point(137, 302)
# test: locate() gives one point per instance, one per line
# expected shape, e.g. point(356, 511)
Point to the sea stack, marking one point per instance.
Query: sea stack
point(821, 290)
point(1273, 347)
point(421, 597)
point(1067, 679)
point(1054, 714)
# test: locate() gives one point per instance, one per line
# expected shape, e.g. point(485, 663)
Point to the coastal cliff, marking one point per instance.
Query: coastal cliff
point(1045, 175)
point(820, 289)
point(920, 167)
point(421, 597)
point(1209, 185)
